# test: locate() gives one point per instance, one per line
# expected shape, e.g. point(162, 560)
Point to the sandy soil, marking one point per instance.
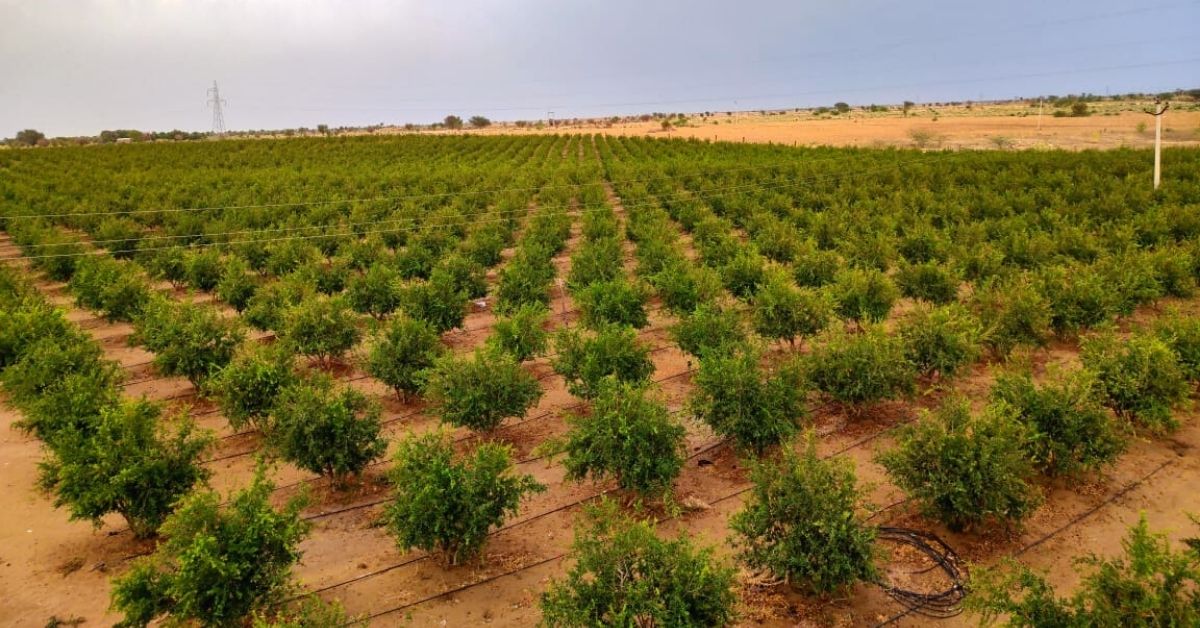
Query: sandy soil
point(50, 567)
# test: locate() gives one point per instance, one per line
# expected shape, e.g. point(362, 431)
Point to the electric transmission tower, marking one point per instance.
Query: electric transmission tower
point(215, 101)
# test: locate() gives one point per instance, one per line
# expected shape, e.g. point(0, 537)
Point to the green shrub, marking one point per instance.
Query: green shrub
point(521, 335)
point(122, 237)
point(1069, 430)
point(402, 353)
point(449, 506)
point(623, 574)
point(684, 287)
point(596, 261)
point(248, 386)
point(47, 363)
point(28, 321)
point(709, 329)
point(219, 562)
point(941, 339)
point(481, 391)
point(311, 612)
point(202, 269)
point(864, 294)
point(328, 431)
point(321, 327)
point(1139, 377)
point(129, 464)
point(616, 302)
point(814, 268)
point(376, 292)
point(1078, 297)
point(963, 469)
point(1132, 279)
point(437, 301)
point(860, 369)
point(267, 308)
point(627, 436)
point(928, 281)
point(328, 277)
point(114, 288)
point(1013, 312)
point(193, 341)
point(782, 312)
point(744, 274)
point(757, 408)
point(612, 351)
point(1151, 585)
point(525, 279)
point(465, 276)
point(1182, 334)
point(801, 523)
point(236, 285)
point(1173, 271)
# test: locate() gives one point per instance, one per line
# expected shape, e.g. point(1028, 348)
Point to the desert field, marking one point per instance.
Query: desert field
point(806, 206)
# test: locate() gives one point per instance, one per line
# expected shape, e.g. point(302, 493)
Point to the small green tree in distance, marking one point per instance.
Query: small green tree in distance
point(330, 431)
point(449, 506)
point(480, 391)
point(739, 400)
point(402, 353)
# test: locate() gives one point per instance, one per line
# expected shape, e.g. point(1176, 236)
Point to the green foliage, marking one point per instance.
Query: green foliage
point(321, 327)
point(756, 407)
point(859, 369)
point(596, 261)
point(627, 436)
point(481, 391)
point(928, 281)
point(966, 470)
point(328, 431)
point(449, 506)
point(1013, 312)
point(801, 523)
point(248, 386)
point(311, 612)
point(51, 363)
point(814, 268)
point(1078, 297)
point(193, 341)
point(744, 274)
point(709, 329)
point(941, 339)
point(615, 302)
point(236, 285)
point(782, 312)
point(522, 334)
point(1139, 377)
point(437, 301)
point(402, 353)
point(112, 287)
point(864, 294)
point(1069, 431)
point(219, 563)
point(202, 269)
point(684, 287)
point(1150, 585)
point(623, 574)
point(267, 308)
point(129, 463)
point(611, 351)
point(524, 280)
point(376, 292)
point(27, 321)
point(465, 276)
point(1182, 334)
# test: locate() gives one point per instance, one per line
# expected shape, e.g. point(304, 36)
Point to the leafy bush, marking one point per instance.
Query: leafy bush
point(1151, 585)
point(623, 574)
point(757, 408)
point(596, 261)
point(203, 269)
point(521, 335)
point(219, 563)
point(310, 612)
point(236, 285)
point(612, 351)
point(709, 329)
point(376, 292)
point(189, 340)
point(1078, 297)
point(859, 369)
point(1132, 279)
point(928, 281)
point(268, 307)
point(964, 469)
point(481, 391)
point(684, 287)
point(322, 328)
point(814, 268)
point(437, 301)
point(941, 339)
point(1013, 312)
point(248, 386)
point(801, 523)
point(402, 353)
point(525, 279)
point(1140, 377)
point(1069, 430)
point(111, 287)
point(1182, 334)
point(627, 436)
point(864, 294)
point(744, 274)
point(448, 506)
point(28, 321)
point(612, 302)
point(129, 464)
point(334, 433)
point(465, 276)
point(782, 312)
point(50, 362)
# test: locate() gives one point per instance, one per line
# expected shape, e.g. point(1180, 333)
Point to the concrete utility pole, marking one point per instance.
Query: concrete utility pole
point(1159, 109)
point(215, 101)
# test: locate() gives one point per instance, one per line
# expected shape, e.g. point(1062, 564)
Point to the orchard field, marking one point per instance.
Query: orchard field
point(426, 379)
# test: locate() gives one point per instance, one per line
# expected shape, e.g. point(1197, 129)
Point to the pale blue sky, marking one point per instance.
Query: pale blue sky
point(78, 66)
